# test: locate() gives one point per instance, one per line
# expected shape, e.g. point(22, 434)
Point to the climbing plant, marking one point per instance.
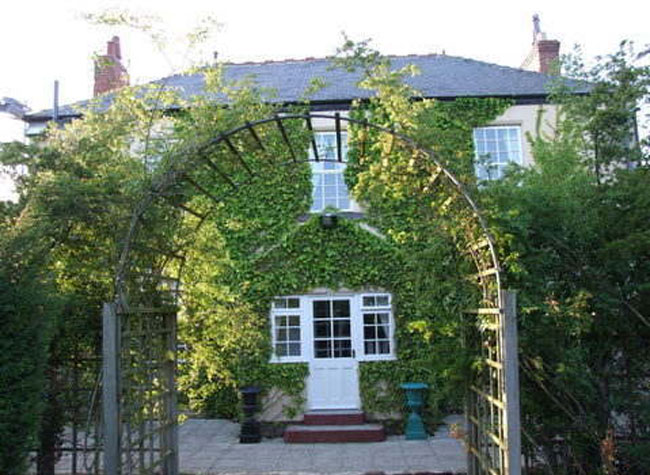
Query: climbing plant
point(261, 242)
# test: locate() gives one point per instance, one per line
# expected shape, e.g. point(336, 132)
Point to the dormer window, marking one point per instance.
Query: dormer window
point(328, 183)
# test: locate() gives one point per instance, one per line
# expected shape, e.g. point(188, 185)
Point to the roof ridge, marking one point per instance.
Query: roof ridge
point(501, 66)
point(389, 56)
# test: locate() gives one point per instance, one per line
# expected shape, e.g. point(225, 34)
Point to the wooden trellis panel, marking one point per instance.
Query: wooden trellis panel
point(140, 429)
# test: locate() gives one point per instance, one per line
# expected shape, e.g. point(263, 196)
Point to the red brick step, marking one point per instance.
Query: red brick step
point(334, 417)
point(334, 433)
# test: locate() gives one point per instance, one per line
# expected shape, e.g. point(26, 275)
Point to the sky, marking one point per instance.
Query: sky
point(46, 40)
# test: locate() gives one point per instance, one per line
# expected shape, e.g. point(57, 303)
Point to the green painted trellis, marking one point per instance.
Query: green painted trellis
point(139, 407)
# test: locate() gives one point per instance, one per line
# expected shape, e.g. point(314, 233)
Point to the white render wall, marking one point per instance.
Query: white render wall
point(533, 119)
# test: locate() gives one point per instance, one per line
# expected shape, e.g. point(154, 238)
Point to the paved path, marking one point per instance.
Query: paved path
point(211, 447)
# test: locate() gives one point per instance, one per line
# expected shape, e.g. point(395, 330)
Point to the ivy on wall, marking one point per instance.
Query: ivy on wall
point(257, 245)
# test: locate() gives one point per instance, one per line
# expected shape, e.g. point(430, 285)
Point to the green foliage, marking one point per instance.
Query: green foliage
point(604, 122)
point(29, 309)
point(256, 246)
point(576, 235)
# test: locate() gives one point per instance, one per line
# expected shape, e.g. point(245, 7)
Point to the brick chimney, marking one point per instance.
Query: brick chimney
point(544, 54)
point(110, 74)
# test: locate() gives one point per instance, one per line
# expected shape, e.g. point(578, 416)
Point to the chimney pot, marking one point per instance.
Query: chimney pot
point(544, 54)
point(110, 74)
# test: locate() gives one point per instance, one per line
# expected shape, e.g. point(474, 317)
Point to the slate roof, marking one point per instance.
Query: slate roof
point(441, 76)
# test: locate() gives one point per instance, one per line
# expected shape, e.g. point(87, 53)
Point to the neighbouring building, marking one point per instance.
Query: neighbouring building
point(12, 128)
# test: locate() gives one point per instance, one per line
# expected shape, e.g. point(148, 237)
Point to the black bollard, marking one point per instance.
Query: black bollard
point(250, 428)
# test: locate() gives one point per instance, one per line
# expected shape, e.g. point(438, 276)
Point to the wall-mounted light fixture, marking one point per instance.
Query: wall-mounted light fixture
point(328, 220)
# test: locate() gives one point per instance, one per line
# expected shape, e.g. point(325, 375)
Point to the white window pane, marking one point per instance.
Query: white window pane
point(382, 300)
point(280, 303)
point(384, 347)
point(281, 334)
point(293, 303)
point(370, 348)
point(383, 318)
point(294, 334)
point(294, 320)
point(317, 203)
point(294, 349)
point(281, 349)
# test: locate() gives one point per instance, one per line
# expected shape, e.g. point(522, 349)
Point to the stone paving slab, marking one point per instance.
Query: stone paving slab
point(211, 447)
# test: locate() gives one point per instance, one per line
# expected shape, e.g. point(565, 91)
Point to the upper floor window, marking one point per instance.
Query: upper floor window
point(496, 147)
point(328, 184)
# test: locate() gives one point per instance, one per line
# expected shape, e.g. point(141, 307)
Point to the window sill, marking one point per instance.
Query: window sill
point(369, 358)
point(289, 359)
point(343, 214)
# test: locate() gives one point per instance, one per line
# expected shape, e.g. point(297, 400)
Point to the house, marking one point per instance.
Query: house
point(330, 329)
point(11, 128)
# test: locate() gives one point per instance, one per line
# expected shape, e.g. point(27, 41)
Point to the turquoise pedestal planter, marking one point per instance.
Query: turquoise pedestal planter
point(415, 400)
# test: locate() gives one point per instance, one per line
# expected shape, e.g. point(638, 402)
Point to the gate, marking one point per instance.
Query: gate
point(139, 407)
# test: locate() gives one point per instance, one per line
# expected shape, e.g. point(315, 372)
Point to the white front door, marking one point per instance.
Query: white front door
point(333, 370)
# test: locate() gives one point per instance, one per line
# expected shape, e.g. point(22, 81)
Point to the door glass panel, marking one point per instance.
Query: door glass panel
point(342, 328)
point(323, 349)
point(341, 309)
point(332, 330)
point(342, 348)
point(322, 329)
point(321, 308)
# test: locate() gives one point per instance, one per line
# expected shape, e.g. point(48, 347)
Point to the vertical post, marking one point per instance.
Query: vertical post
point(110, 401)
point(511, 380)
point(169, 441)
point(75, 408)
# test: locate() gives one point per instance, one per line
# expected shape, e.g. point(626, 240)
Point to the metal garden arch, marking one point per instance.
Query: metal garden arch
point(139, 326)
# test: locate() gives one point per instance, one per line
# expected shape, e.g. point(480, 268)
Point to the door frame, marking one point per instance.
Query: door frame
point(304, 308)
point(333, 363)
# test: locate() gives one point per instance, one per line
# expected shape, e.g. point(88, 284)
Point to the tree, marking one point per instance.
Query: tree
point(577, 229)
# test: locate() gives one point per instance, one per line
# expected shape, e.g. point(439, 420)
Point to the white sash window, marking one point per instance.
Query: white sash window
point(328, 183)
point(496, 147)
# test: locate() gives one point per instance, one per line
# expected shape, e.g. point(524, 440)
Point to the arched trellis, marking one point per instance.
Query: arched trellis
point(139, 410)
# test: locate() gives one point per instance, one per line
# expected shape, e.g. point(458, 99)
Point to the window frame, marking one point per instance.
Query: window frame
point(375, 309)
point(496, 166)
point(357, 309)
point(287, 312)
point(338, 170)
